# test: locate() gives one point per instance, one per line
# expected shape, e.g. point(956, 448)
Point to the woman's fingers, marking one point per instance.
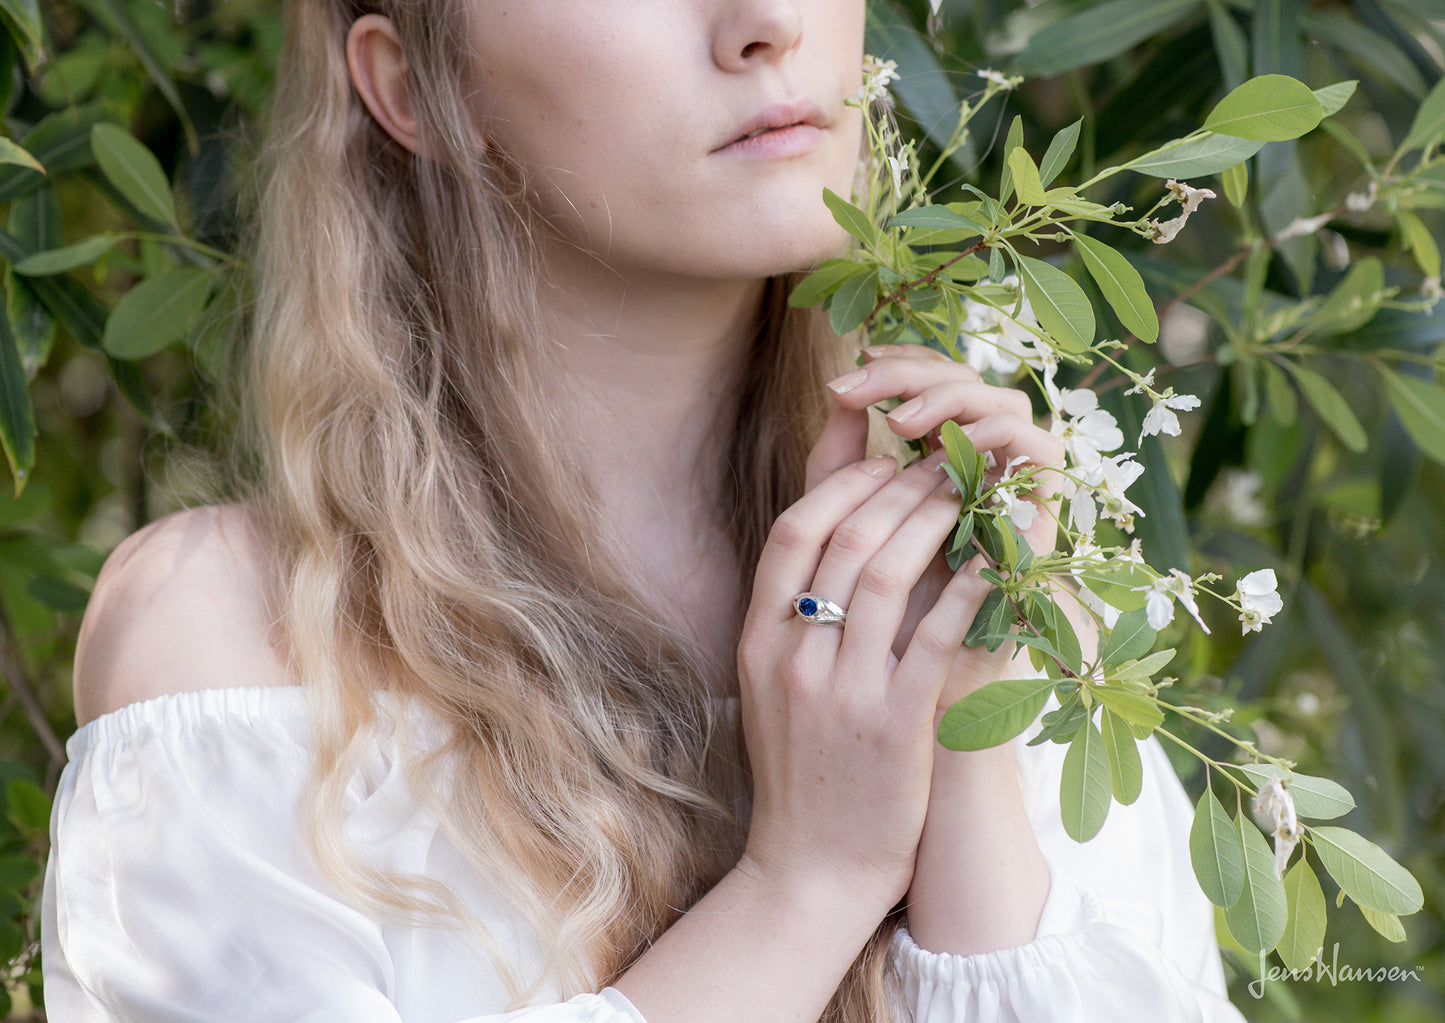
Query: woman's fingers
point(843, 441)
point(795, 545)
point(880, 595)
point(923, 669)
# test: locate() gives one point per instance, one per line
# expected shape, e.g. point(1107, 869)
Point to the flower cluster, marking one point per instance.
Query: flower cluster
point(1164, 232)
point(1276, 803)
point(877, 77)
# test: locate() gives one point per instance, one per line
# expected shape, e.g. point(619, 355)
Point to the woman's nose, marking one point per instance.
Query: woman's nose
point(750, 32)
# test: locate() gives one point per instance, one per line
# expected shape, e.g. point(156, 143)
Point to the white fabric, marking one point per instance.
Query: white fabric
point(179, 888)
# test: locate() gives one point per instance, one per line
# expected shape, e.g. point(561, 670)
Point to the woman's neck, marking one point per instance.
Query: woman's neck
point(649, 381)
point(649, 378)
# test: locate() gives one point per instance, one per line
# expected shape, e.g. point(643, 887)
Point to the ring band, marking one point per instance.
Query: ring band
point(818, 610)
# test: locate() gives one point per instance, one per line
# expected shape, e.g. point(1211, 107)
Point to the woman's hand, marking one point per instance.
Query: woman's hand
point(936, 389)
point(840, 731)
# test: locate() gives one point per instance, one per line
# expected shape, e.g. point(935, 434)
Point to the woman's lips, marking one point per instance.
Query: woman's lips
point(796, 139)
point(780, 130)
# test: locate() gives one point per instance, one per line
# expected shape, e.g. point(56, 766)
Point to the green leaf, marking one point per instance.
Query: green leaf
point(1125, 768)
point(1084, 788)
point(1230, 45)
point(940, 218)
point(1195, 158)
point(1270, 108)
point(1282, 401)
point(1012, 141)
point(1386, 924)
point(854, 302)
point(1380, 55)
point(27, 806)
point(1051, 620)
point(1063, 724)
point(1331, 407)
point(17, 415)
point(851, 218)
point(1334, 97)
point(1130, 639)
point(1121, 286)
point(1059, 304)
point(1315, 798)
point(1429, 123)
point(993, 714)
point(17, 872)
point(1216, 852)
point(925, 88)
point(1366, 872)
point(61, 142)
point(56, 261)
point(982, 620)
point(125, 24)
point(157, 312)
point(1355, 300)
point(1026, 178)
point(134, 171)
point(961, 455)
point(23, 17)
point(1099, 32)
point(12, 153)
point(1236, 184)
point(1421, 407)
point(1419, 241)
point(1133, 707)
point(1257, 918)
point(1304, 929)
point(1060, 151)
point(823, 281)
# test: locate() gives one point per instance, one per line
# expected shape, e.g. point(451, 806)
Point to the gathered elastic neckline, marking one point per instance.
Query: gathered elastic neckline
point(250, 704)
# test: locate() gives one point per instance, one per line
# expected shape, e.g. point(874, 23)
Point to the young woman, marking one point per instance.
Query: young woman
point(494, 691)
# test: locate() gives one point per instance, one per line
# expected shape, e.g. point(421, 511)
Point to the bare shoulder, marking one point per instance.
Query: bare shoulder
point(180, 605)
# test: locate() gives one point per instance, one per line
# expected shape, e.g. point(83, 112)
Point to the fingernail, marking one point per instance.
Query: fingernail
point(880, 465)
point(876, 351)
point(907, 410)
point(848, 381)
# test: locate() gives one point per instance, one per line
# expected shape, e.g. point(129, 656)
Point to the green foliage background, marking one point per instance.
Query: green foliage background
point(103, 398)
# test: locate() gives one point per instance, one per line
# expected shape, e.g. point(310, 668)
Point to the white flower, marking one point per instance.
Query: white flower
point(1301, 226)
point(1087, 555)
point(994, 339)
point(1086, 430)
point(1359, 202)
point(1430, 289)
point(935, 5)
point(1237, 494)
point(1274, 800)
point(993, 77)
point(1011, 497)
point(1258, 599)
point(1117, 475)
point(877, 77)
point(1161, 418)
point(1188, 197)
point(1159, 597)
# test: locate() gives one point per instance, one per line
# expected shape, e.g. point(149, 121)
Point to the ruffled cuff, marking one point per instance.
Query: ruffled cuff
point(1079, 967)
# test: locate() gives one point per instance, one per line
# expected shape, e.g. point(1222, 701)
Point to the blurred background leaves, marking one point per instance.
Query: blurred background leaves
point(122, 294)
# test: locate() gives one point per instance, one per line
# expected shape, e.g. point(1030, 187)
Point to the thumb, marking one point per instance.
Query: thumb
point(843, 441)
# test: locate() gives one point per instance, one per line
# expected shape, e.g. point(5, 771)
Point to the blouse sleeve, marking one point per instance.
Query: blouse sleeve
point(178, 888)
point(1125, 931)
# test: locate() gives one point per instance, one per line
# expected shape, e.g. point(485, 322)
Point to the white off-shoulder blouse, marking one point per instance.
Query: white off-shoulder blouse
point(179, 890)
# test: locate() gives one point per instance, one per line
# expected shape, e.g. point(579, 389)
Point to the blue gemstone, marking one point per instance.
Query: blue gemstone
point(808, 607)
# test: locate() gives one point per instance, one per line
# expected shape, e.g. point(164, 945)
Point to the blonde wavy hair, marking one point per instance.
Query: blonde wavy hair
point(434, 539)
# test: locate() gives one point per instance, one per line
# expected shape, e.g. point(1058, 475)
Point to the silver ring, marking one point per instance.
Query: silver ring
point(818, 610)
